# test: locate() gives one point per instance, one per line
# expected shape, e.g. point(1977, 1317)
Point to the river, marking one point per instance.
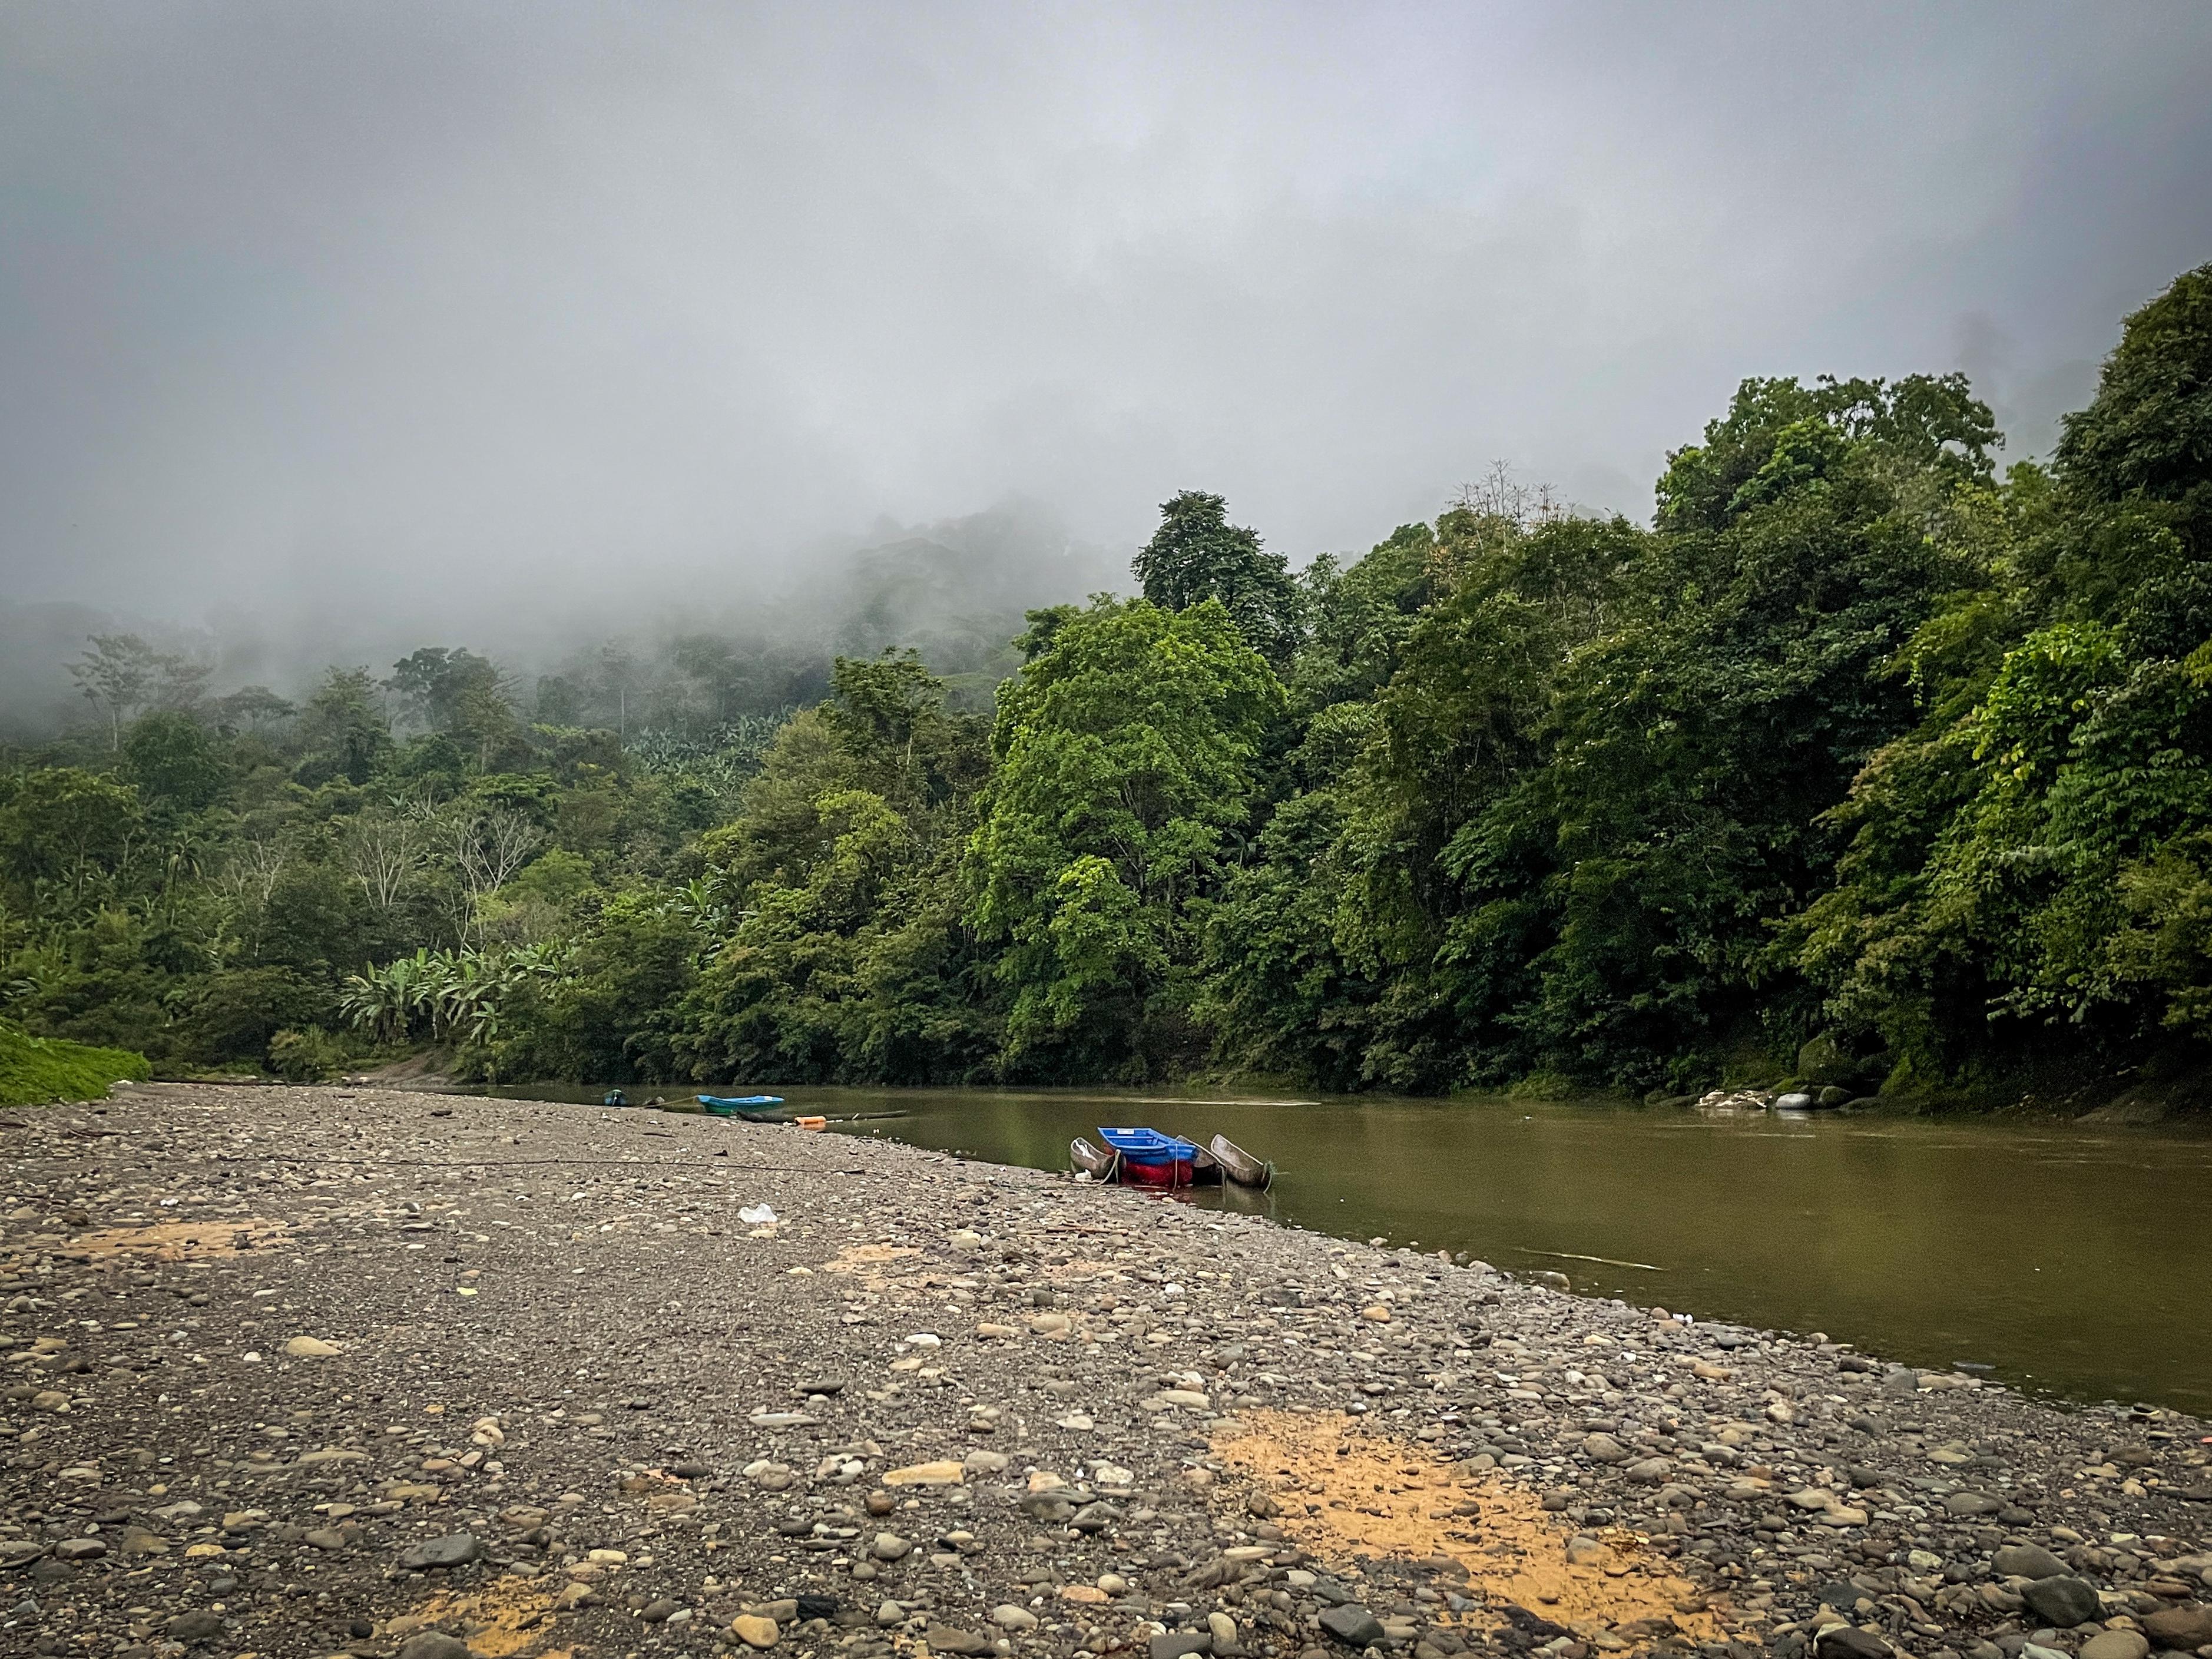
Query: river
point(2067, 1260)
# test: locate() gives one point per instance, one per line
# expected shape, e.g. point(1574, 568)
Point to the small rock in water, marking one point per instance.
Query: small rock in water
point(2116, 1644)
point(754, 1631)
point(1179, 1644)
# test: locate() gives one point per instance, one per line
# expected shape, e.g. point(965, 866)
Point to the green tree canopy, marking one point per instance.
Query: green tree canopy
point(1128, 754)
point(1197, 554)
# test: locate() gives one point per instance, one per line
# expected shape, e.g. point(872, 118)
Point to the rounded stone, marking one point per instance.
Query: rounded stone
point(455, 1550)
point(2026, 1561)
point(2062, 1601)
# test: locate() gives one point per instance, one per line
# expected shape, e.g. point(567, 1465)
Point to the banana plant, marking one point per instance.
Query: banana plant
point(444, 994)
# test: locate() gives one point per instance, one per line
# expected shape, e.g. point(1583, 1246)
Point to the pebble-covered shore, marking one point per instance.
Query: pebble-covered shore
point(297, 1371)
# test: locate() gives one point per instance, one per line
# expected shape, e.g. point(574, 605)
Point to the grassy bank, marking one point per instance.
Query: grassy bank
point(36, 1070)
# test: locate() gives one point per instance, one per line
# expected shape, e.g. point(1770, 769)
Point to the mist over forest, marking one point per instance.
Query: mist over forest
point(689, 653)
point(1863, 762)
point(1550, 548)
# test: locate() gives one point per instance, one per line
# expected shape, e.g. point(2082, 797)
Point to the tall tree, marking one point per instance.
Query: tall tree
point(1197, 554)
point(118, 677)
point(343, 732)
point(1128, 751)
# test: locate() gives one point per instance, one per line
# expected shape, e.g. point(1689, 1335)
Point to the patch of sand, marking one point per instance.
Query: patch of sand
point(1346, 1492)
point(507, 1618)
point(184, 1241)
point(866, 1262)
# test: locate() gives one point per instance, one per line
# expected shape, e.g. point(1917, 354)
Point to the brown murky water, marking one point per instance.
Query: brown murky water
point(2066, 1258)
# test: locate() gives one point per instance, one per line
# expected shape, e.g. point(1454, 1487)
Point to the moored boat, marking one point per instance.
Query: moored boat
point(1239, 1165)
point(1148, 1158)
point(740, 1105)
point(1092, 1160)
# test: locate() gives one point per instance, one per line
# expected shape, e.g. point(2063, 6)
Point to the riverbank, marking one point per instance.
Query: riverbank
point(298, 1371)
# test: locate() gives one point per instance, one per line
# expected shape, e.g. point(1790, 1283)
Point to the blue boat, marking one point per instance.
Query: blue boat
point(1148, 1158)
point(739, 1105)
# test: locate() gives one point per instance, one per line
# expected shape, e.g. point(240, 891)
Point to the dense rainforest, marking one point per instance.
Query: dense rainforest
point(1861, 760)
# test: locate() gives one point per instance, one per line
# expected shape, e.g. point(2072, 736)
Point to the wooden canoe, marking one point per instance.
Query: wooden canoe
point(1093, 1161)
point(1239, 1165)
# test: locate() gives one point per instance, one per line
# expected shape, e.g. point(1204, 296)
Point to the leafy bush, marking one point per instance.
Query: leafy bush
point(306, 1056)
point(35, 1070)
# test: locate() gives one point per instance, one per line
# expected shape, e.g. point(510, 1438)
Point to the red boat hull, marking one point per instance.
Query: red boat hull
point(1165, 1174)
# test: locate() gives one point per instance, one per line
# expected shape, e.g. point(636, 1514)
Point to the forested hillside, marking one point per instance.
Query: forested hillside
point(1858, 744)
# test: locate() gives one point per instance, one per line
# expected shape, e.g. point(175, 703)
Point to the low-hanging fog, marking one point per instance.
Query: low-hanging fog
point(328, 332)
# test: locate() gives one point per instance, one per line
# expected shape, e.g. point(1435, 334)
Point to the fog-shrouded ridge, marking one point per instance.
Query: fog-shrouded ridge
point(954, 592)
point(331, 332)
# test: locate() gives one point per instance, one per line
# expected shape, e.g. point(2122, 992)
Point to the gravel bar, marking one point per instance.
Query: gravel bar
point(313, 1372)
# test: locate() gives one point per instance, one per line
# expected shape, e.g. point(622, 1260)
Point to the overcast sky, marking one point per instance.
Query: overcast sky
point(423, 306)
